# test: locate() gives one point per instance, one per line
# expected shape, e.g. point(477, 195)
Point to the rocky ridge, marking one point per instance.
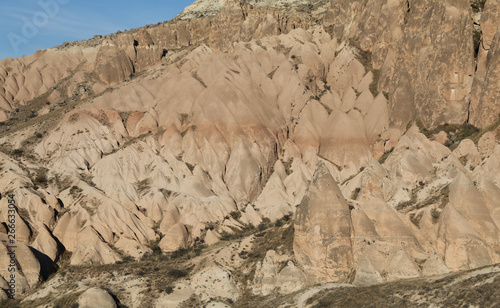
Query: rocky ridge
point(342, 128)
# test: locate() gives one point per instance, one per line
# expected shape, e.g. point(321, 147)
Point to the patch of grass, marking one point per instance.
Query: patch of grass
point(74, 118)
point(190, 166)
point(451, 291)
point(41, 178)
point(184, 132)
point(193, 301)
point(75, 192)
point(374, 84)
point(184, 118)
point(143, 186)
point(279, 238)
point(331, 162)
point(271, 74)
point(259, 43)
point(415, 218)
point(435, 214)
point(484, 130)
point(328, 109)
point(177, 273)
point(363, 56)
point(297, 60)
point(288, 166)
point(124, 115)
point(329, 29)
point(413, 208)
point(169, 290)
point(384, 156)
point(69, 300)
point(195, 75)
point(456, 132)
point(17, 153)
point(61, 182)
point(237, 234)
point(355, 193)
point(155, 247)
point(477, 5)
point(167, 193)
point(408, 205)
point(235, 215)
point(283, 49)
point(186, 253)
point(87, 178)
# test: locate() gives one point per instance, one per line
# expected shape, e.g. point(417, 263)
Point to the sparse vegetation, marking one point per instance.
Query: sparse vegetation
point(177, 273)
point(24, 213)
point(143, 186)
point(271, 74)
point(75, 192)
point(237, 233)
point(374, 84)
point(477, 5)
point(183, 118)
point(416, 217)
point(259, 43)
point(436, 214)
point(456, 132)
point(235, 215)
point(155, 247)
point(451, 291)
point(363, 56)
point(74, 118)
point(41, 178)
point(167, 193)
point(355, 193)
point(288, 166)
point(434, 204)
point(283, 49)
point(61, 182)
point(195, 75)
point(17, 153)
point(190, 166)
point(186, 253)
point(384, 156)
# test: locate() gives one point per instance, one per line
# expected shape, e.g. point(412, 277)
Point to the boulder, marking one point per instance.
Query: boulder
point(96, 298)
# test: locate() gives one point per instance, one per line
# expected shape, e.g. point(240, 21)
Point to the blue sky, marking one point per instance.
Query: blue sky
point(28, 25)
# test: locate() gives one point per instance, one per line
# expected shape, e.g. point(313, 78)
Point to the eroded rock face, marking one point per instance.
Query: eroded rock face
point(256, 112)
point(28, 270)
point(484, 107)
point(112, 64)
point(322, 241)
point(438, 86)
point(410, 45)
point(269, 279)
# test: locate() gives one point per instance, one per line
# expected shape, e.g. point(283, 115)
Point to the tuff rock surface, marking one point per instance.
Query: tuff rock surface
point(254, 148)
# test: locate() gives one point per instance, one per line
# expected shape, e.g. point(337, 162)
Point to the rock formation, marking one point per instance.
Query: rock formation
point(307, 142)
point(322, 242)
